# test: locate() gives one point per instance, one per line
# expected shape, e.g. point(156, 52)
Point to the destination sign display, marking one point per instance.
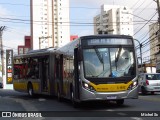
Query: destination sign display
point(109, 41)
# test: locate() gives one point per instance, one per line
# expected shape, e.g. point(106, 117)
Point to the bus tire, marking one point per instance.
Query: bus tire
point(59, 95)
point(120, 102)
point(144, 92)
point(74, 103)
point(30, 90)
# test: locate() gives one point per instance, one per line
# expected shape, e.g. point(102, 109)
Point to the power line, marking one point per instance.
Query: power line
point(152, 40)
point(71, 23)
point(145, 44)
point(145, 7)
point(141, 4)
point(145, 24)
point(74, 7)
point(135, 4)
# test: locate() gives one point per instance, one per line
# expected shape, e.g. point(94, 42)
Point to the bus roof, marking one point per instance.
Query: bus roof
point(107, 35)
point(36, 52)
point(68, 49)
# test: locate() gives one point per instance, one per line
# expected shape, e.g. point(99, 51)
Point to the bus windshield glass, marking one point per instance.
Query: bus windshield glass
point(109, 62)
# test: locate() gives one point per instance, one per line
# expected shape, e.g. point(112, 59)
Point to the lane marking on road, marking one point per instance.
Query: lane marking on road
point(41, 99)
point(122, 114)
point(110, 110)
point(136, 118)
point(147, 98)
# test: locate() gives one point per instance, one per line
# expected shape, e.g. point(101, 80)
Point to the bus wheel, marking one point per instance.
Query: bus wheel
point(59, 96)
point(143, 91)
point(74, 103)
point(30, 90)
point(120, 102)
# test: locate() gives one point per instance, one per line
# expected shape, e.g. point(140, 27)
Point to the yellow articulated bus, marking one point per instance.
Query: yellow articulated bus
point(90, 68)
point(33, 72)
point(98, 67)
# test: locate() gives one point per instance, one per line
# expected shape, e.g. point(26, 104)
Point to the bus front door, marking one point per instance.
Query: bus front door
point(76, 73)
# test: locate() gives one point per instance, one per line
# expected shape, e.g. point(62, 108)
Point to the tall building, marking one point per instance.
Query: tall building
point(114, 19)
point(49, 23)
point(154, 48)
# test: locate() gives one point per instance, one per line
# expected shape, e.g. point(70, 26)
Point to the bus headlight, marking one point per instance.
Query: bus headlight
point(133, 85)
point(88, 87)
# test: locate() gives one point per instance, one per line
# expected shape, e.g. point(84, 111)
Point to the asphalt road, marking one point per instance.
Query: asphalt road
point(13, 101)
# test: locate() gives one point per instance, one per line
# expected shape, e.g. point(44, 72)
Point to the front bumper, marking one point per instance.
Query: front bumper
point(87, 95)
point(152, 88)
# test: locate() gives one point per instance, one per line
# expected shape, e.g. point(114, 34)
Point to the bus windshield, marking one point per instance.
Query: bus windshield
point(109, 62)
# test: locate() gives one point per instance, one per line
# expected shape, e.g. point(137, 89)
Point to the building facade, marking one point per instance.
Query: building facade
point(154, 45)
point(154, 48)
point(114, 19)
point(73, 37)
point(23, 49)
point(49, 23)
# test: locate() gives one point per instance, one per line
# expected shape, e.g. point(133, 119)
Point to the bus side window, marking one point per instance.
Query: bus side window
point(33, 69)
point(71, 68)
point(16, 72)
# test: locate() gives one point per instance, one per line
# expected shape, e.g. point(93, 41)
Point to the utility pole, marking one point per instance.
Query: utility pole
point(2, 28)
point(140, 46)
point(158, 9)
point(158, 33)
point(40, 42)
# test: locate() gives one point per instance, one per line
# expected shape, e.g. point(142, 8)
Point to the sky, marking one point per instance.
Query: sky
point(81, 11)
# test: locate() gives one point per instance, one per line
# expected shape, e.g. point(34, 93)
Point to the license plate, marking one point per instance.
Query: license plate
point(111, 97)
point(156, 87)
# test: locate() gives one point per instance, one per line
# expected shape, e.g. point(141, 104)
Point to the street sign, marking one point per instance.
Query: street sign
point(9, 66)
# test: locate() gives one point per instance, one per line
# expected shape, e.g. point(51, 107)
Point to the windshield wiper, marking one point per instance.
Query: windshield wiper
point(118, 55)
point(99, 55)
point(119, 51)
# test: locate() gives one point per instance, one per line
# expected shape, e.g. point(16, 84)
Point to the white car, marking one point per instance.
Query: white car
point(149, 82)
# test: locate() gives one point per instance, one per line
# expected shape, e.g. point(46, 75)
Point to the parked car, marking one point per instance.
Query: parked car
point(149, 82)
point(1, 84)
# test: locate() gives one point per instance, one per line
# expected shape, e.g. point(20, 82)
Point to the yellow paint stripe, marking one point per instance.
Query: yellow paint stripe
point(111, 87)
point(36, 86)
point(23, 86)
point(20, 86)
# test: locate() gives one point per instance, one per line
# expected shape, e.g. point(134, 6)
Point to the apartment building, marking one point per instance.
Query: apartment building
point(153, 35)
point(114, 19)
point(154, 45)
point(49, 23)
